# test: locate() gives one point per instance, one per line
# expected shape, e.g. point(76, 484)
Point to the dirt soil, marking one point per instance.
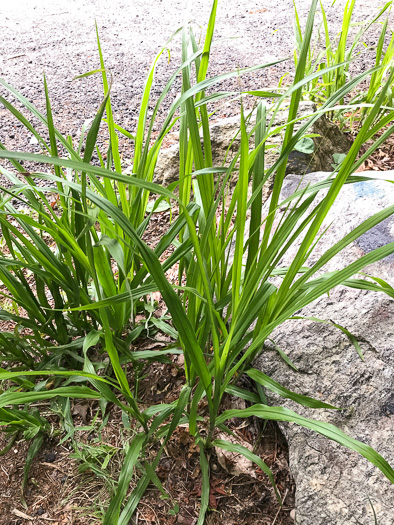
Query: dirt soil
point(58, 38)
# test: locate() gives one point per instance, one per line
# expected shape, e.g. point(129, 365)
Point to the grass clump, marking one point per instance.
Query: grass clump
point(343, 50)
point(90, 270)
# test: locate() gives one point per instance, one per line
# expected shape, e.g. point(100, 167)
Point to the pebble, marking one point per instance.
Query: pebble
point(50, 457)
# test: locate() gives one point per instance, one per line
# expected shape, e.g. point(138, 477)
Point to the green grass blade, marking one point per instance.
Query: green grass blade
point(112, 515)
point(19, 398)
point(137, 493)
point(326, 429)
point(33, 449)
point(205, 487)
point(272, 385)
point(258, 176)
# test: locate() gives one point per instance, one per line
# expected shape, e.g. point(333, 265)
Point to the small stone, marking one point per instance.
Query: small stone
point(233, 463)
point(292, 514)
point(33, 140)
point(50, 457)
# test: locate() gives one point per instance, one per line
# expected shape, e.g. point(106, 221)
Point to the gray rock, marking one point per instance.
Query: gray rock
point(333, 483)
point(225, 143)
point(167, 166)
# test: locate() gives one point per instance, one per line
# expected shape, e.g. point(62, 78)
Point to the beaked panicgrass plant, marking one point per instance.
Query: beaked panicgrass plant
point(225, 304)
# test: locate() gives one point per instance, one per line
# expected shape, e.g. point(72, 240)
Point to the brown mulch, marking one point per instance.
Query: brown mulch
point(382, 159)
point(57, 493)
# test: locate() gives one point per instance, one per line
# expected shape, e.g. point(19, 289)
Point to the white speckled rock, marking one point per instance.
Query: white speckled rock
point(333, 483)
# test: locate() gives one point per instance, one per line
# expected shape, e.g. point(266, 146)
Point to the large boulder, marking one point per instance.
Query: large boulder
point(225, 143)
point(336, 486)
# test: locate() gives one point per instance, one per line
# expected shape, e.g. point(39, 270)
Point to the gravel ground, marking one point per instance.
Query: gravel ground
point(58, 37)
